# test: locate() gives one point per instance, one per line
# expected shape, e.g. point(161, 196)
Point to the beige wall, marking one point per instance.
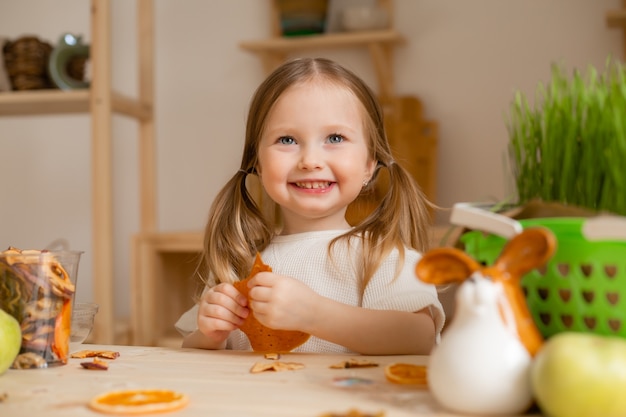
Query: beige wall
point(464, 59)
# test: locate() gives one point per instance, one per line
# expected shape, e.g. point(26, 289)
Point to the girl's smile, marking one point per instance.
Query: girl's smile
point(319, 186)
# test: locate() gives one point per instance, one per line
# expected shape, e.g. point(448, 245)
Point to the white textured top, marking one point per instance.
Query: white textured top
point(304, 256)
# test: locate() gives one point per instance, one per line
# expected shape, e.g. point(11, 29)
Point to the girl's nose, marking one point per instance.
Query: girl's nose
point(310, 159)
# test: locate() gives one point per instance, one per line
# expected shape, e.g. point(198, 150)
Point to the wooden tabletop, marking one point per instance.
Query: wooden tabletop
point(219, 383)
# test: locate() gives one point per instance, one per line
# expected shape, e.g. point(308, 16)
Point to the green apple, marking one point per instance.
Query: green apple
point(10, 340)
point(580, 375)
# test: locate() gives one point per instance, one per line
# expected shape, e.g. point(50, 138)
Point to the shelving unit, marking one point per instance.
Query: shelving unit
point(101, 102)
point(163, 284)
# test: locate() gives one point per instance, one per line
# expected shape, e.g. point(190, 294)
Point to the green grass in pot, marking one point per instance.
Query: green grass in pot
point(571, 147)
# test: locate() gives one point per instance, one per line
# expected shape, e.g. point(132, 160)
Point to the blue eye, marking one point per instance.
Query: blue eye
point(286, 140)
point(335, 138)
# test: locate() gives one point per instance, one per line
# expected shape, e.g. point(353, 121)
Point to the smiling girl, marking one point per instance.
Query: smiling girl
point(315, 139)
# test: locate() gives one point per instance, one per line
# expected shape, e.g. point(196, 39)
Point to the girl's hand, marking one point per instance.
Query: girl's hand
point(222, 309)
point(282, 302)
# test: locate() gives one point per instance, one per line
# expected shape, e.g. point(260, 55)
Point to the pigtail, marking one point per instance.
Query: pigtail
point(405, 210)
point(401, 219)
point(236, 229)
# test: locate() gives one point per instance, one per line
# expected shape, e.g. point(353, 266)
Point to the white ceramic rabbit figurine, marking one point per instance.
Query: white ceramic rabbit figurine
point(481, 366)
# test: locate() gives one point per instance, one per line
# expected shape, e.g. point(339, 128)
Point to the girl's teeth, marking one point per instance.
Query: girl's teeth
point(313, 185)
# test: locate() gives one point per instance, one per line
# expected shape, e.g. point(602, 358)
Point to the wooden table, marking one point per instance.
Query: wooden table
point(219, 383)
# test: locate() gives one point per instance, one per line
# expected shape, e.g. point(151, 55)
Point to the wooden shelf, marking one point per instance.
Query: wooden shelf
point(273, 51)
point(50, 102)
point(43, 102)
point(101, 102)
point(616, 18)
point(163, 284)
point(287, 44)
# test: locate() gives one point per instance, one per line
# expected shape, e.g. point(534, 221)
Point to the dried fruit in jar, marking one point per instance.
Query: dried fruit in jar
point(37, 290)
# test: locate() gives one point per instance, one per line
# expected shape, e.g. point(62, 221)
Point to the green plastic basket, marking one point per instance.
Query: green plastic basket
point(583, 286)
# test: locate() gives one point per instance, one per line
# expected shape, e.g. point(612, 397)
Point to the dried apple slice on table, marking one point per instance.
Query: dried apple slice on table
point(263, 338)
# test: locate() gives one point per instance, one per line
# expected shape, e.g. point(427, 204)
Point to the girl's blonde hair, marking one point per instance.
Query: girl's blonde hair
point(237, 227)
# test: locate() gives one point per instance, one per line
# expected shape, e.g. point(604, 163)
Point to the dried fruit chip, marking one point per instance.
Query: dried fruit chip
point(272, 356)
point(406, 373)
point(354, 413)
point(106, 354)
point(138, 401)
point(275, 366)
point(354, 363)
point(29, 360)
point(97, 365)
point(262, 338)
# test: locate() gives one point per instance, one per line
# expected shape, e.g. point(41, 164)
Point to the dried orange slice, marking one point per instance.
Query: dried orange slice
point(62, 328)
point(262, 338)
point(133, 402)
point(406, 373)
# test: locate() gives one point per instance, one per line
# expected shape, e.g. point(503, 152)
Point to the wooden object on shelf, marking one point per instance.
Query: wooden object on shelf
point(163, 284)
point(26, 63)
point(102, 102)
point(413, 140)
point(617, 19)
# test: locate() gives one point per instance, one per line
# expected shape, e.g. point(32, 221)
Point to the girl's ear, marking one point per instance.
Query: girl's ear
point(369, 171)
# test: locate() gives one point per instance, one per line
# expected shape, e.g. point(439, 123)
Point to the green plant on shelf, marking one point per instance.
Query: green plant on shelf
point(571, 146)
